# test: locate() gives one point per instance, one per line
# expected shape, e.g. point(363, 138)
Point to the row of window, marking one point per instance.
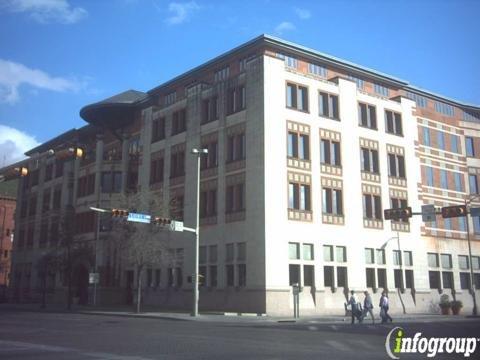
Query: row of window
point(328, 105)
point(438, 139)
point(448, 180)
point(28, 207)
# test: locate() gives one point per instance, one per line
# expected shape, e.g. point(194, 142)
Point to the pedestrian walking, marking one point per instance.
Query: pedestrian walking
point(354, 304)
point(368, 306)
point(384, 308)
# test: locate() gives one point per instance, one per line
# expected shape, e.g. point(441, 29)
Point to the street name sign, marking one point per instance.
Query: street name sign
point(141, 218)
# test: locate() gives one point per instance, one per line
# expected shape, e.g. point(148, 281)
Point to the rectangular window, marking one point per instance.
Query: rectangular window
point(330, 152)
point(446, 261)
point(170, 98)
point(426, 136)
point(49, 172)
point(396, 257)
point(382, 278)
point(242, 275)
point(381, 90)
point(328, 105)
point(210, 160)
point(342, 276)
point(469, 145)
point(157, 277)
point(441, 140)
point(458, 181)
point(179, 121)
point(463, 263)
point(407, 257)
point(369, 159)
point(398, 278)
point(235, 198)
point(419, 100)
point(367, 116)
point(327, 253)
point(299, 196)
point(111, 182)
point(177, 163)
point(464, 280)
point(158, 129)
point(208, 203)
point(341, 253)
point(156, 170)
point(298, 146)
point(317, 70)
point(393, 122)
point(396, 166)
point(209, 110)
point(370, 275)
point(429, 175)
point(328, 276)
point(308, 275)
point(372, 207)
point(294, 251)
point(447, 279)
point(229, 252)
point(213, 275)
point(230, 272)
point(297, 97)
point(369, 256)
point(444, 109)
point(443, 179)
point(332, 202)
point(476, 262)
point(434, 279)
point(307, 251)
point(241, 251)
point(409, 279)
point(236, 147)
point(380, 257)
point(473, 182)
point(236, 99)
point(294, 274)
point(291, 62)
point(222, 74)
point(454, 143)
point(360, 83)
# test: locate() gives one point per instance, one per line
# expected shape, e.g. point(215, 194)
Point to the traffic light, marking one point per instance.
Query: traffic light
point(161, 221)
point(14, 173)
point(398, 214)
point(119, 213)
point(454, 211)
point(71, 152)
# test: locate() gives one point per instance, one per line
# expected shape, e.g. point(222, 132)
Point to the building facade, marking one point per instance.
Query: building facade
point(305, 153)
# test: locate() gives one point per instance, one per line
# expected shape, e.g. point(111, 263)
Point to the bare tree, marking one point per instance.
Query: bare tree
point(139, 245)
point(50, 263)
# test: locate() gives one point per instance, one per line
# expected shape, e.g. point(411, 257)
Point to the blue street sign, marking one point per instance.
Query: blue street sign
point(141, 218)
point(475, 211)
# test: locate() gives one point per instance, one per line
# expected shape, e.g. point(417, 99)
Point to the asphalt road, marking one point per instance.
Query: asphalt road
point(31, 335)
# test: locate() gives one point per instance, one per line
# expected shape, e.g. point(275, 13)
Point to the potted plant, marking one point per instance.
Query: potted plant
point(445, 304)
point(456, 306)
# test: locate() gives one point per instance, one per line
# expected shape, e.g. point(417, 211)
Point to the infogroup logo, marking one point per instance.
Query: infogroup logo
point(397, 343)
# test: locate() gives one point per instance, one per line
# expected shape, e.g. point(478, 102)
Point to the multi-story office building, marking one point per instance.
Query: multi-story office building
point(7, 211)
point(305, 153)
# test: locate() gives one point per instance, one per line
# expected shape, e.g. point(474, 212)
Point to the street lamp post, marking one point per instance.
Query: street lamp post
point(199, 153)
point(99, 211)
point(400, 262)
point(468, 201)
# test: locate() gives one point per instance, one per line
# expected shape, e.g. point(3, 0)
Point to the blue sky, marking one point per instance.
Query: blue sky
point(59, 55)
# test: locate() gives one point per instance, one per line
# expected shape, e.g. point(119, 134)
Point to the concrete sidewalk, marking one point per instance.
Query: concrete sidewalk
point(153, 313)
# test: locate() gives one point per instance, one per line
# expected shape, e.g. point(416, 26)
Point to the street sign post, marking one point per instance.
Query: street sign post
point(141, 218)
point(428, 213)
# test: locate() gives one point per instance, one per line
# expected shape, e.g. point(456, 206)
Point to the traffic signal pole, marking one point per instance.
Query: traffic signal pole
point(472, 279)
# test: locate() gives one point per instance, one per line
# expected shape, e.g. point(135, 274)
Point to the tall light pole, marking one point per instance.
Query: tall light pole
point(400, 262)
point(99, 211)
point(199, 153)
point(468, 201)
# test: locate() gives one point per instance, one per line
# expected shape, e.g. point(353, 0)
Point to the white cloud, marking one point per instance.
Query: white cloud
point(13, 144)
point(47, 11)
point(303, 13)
point(181, 12)
point(13, 74)
point(284, 26)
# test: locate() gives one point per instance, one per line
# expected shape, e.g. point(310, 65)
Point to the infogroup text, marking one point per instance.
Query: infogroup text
point(397, 343)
